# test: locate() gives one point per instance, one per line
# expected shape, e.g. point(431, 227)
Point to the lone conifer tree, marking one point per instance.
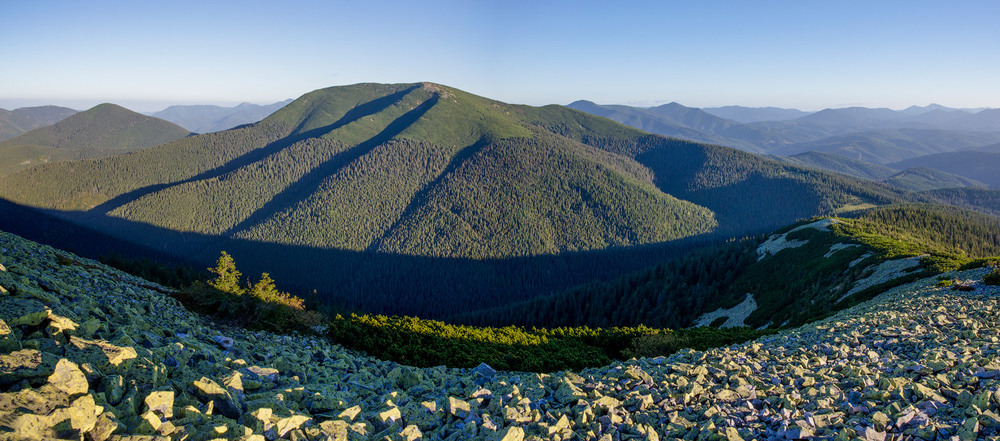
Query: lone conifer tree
point(228, 277)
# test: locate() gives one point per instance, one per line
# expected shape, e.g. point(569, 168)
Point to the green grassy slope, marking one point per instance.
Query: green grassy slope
point(104, 130)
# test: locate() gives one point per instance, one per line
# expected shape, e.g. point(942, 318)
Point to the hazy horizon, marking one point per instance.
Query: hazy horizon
point(148, 107)
point(808, 56)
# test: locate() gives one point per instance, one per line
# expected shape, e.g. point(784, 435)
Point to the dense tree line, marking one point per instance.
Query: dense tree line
point(935, 227)
point(979, 199)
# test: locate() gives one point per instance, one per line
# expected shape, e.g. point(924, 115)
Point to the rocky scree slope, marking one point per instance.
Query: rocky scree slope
point(89, 352)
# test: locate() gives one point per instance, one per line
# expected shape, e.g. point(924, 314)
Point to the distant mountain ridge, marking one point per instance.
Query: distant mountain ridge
point(17, 121)
point(106, 129)
point(674, 120)
point(874, 135)
point(745, 115)
point(208, 118)
point(982, 166)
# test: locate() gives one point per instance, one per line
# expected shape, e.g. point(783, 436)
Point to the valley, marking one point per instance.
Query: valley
point(461, 241)
point(433, 192)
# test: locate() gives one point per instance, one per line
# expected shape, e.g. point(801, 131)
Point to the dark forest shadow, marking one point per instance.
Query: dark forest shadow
point(348, 280)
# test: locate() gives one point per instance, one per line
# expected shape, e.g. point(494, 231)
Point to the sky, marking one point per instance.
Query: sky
point(809, 55)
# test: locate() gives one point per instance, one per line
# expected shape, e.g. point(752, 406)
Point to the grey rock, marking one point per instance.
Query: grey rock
point(224, 342)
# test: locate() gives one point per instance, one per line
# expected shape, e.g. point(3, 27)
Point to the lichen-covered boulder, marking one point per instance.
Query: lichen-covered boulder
point(18, 311)
point(27, 364)
point(104, 356)
point(68, 378)
point(9, 340)
point(207, 390)
point(161, 402)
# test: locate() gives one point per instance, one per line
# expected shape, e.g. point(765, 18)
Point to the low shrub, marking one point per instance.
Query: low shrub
point(993, 277)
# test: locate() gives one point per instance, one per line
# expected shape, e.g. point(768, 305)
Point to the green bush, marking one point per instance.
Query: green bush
point(259, 305)
point(993, 278)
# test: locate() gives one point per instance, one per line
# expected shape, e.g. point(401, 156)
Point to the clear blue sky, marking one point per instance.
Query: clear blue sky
point(804, 54)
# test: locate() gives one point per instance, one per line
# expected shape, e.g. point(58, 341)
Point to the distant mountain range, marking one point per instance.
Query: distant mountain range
point(104, 130)
point(873, 135)
point(745, 115)
point(980, 165)
point(914, 137)
point(17, 121)
point(207, 119)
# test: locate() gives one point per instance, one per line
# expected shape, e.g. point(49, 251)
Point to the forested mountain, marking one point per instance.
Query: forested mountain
point(979, 199)
point(207, 119)
point(104, 130)
point(840, 164)
point(983, 166)
point(17, 121)
point(924, 179)
point(423, 199)
point(744, 115)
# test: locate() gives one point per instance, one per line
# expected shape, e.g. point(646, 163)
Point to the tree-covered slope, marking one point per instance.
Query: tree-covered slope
point(840, 164)
point(924, 179)
point(677, 121)
point(973, 198)
point(104, 130)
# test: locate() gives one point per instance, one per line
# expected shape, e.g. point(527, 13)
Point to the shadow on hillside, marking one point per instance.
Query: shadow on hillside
point(370, 108)
point(420, 198)
point(305, 186)
point(348, 280)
